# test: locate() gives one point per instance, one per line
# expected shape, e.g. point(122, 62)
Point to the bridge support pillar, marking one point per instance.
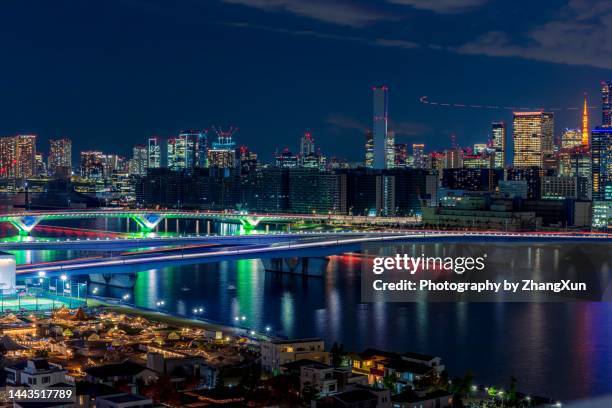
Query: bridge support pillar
point(148, 222)
point(249, 223)
point(305, 266)
point(25, 224)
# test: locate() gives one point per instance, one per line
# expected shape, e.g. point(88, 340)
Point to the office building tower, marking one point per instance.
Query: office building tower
point(571, 138)
point(369, 149)
point(222, 153)
point(138, 164)
point(92, 166)
point(390, 146)
point(196, 148)
point(499, 144)
point(606, 103)
point(60, 156)
point(585, 123)
point(287, 160)
point(307, 145)
point(480, 148)
point(601, 162)
point(380, 128)
point(182, 151)
point(454, 158)
point(8, 157)
point(533, 138)
point(419, 159)
point(154, 153)
point(248, 160)
point(26, 156)
point(401, 155)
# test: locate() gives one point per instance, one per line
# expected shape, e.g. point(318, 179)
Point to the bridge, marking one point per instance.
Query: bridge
point(216, 249)
point(148, 220)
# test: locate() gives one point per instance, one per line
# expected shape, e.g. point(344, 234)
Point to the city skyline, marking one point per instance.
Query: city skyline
point(101, 100)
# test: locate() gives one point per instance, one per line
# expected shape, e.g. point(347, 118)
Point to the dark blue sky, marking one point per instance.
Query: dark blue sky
point(109, 74)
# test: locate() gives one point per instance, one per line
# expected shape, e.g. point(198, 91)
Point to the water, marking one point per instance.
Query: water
point(561, 350)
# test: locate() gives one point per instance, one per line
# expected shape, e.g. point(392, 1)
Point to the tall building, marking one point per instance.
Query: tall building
point(248, 160)
point(499, 144)
point(606, 103)
point(401, 155)
point(222, 153)
point(390, 150)
point(26, 156)
point(154, 153)
point(585, 123)
point(380, 126)
point(138, 164)
point(533, 138)
point(287, 160)
point(182, 152)
point(92, 166)
point(571, 138)
point(369, 149)
point(307, 145)
point(419, 157)
point(196, 142)
point(601, 161)
point(8, 157)
point(60, 155)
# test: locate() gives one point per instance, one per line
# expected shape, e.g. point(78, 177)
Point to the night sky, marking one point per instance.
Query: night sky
point(109, 74)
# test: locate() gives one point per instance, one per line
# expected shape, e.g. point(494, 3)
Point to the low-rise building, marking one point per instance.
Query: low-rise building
point(123, 401)
point(318, 376)
point(37, 372)
point(274, 353)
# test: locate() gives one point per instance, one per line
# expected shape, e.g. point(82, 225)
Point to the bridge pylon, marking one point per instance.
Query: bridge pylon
point(147, 222)
point(25, 224)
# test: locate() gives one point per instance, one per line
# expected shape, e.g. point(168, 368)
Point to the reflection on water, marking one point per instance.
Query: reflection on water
point(558, 349)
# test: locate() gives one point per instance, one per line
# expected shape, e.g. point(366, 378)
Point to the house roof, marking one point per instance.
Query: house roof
point(296, 365)
point(355, 396)
point(418, 356)
point(10, 344)
point(126, 368)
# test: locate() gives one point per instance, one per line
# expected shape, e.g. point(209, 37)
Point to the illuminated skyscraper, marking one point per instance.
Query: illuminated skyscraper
point(390, 149)
point(26, 156)
point(154, 153)
point(606, 103)
point(8, 157)
point(585, 123)
point(369, 149)
point(222, 154)
point(601, 160)
point(533, 138)
point(380, 128)
point(307, 145)
point(401, 155)
point(138, 164)
point(499, 144)
point(60, 156)
point(92, 166)
point(571, 138)
point(418, 155)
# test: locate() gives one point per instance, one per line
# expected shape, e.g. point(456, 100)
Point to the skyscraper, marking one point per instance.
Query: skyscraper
point(222, 154)
point(380, 127)
point(138, 164)
point(571, 138)
point(499, 144)
point(181, 152)
point(369, 149)
point(307, 145)
point(92, 166)
point(390, 149)
point(154, 153)
point(8, 157)
point(601, 161)
point(585, 123)
point(533, 138)
point(419, 157)
point(26, 156)
point(606, 103)
point(60, 156)
point(401, 155)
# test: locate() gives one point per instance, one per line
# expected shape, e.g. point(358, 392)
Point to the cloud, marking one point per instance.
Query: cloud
point(395, 43)
point(408, 128)
point(335, 12)
point(441, 6)
point(346, 122)
point(581, 34)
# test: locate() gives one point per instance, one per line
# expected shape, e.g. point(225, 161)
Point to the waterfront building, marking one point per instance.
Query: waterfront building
point(533, 138)
point(8, 157)
point(602, 215)
point(275, 353)
point(314, 191)
point(380, 131)
point(25, 156)
point(562, 187)
point(533, 177)
point(513, 188)
point(60, 157)
point(601, 162)
point(471, 179)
